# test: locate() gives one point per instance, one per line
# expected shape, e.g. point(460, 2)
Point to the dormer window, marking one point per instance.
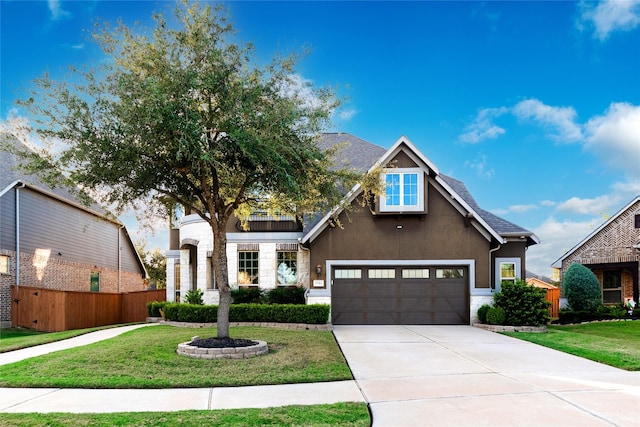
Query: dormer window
point(404, 190)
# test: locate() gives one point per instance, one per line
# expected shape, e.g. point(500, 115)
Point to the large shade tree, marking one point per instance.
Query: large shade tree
point(185, 115)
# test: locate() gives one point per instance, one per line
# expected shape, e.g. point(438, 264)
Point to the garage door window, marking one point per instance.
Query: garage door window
point(415, 273)
point(382, 273)
point(449, 273)
point(344, 273)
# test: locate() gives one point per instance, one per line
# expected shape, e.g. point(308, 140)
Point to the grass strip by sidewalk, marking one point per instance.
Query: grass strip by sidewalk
point(17, 338)
point(146, 358)
point(339, 414)
point(613, 343)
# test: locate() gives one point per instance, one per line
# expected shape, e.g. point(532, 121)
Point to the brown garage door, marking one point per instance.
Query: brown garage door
point(400, 295)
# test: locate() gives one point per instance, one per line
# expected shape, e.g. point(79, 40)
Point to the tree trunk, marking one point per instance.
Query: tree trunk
point(220, 267)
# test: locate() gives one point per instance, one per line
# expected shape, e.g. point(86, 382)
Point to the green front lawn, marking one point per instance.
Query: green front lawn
point(146, 358)
point(613, 343)
point(339, 414)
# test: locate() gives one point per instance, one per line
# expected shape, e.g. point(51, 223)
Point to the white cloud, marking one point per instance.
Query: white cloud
point(548, 203)
point(481, 166)
point(56, 10)
point(561, 120)
point(615, 137)
point(556, 238)
point(600, 205)
point(610, 15)
point(347, 114)
point(483, 127)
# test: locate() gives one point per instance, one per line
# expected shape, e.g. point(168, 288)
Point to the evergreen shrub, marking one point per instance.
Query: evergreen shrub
point(523, 304)
point(581, 288)
point(482, 313)
point(496, 315)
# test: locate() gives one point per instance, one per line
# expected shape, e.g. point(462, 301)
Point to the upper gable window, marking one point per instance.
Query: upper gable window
point(404, 190)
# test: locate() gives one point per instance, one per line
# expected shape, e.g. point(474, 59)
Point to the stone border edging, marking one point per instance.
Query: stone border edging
point(291, 326)
point(506, 328)
point(258, 349)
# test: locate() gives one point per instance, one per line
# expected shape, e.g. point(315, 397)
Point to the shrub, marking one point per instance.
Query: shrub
point(153, 308)
point(194, 297)
point(286, 295)
point(280, 313)
point(247, 295)
point(482, 313)
point(522, 304)
point(581, 288)
point(495, 315)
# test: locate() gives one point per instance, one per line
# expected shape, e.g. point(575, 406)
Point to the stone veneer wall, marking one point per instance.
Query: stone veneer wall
point(195, 230)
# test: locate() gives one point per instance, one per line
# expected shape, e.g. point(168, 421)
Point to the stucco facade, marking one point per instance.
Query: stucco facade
point(437, 238)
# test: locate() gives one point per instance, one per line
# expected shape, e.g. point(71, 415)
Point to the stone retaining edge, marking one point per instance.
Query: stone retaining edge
point(506, 328)
point(223, 353)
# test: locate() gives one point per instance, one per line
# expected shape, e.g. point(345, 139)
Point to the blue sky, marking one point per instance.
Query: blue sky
point(534, 105)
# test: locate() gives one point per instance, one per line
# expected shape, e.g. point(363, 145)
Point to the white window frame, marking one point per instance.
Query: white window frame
point(4, 264)
point(402, 172)
point(498, 270)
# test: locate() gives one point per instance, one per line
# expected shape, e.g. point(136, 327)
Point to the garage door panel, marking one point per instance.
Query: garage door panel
point(400, 301)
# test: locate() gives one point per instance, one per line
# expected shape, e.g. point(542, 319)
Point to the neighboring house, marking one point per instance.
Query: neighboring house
point(49, 240)
point(612, 252)
point(535, 282)
point(425, 253)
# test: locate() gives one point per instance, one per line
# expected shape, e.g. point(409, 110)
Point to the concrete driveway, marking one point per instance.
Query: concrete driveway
point(466, 376)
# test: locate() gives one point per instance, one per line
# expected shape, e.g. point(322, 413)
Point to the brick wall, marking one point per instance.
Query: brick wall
point(54, 273)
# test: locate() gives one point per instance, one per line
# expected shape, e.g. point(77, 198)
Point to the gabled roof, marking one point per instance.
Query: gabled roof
point(558, 263)
point(500, 229)
point(11, 177)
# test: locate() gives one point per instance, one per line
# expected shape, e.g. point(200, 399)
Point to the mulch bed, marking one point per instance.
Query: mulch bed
point(221, 342)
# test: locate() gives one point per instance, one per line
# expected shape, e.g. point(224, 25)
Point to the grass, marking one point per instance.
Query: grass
point(342, 414)
point(17, 338)
point(146, 358)
point(613, 343)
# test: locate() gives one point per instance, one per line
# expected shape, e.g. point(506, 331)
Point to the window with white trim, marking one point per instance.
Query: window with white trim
point(507, 270)
point(287, 271)
point(404, 190)
point(248, 268)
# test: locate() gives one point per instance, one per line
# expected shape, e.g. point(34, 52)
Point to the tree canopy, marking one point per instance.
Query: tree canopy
point(185, 115)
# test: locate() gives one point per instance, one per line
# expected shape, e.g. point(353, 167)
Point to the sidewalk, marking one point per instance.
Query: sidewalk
point(20, 400)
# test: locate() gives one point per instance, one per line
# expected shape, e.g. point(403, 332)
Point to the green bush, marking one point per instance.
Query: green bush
point(482, 313)
point(581, 288)
point(522, 304)
point(247, 295)
point(496, 315)
point(278, 313)
point(153, 308)
point(286, 295)
point(194, 296)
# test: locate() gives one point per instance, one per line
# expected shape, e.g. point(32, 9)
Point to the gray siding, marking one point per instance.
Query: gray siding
point(7, 221)
point(47, 223)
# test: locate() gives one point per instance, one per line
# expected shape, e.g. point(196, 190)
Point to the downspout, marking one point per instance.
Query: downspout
point(18, 187)
point(491, 251)
point(119, 256)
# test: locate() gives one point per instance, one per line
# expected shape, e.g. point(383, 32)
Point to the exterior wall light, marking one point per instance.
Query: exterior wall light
point(318, 269)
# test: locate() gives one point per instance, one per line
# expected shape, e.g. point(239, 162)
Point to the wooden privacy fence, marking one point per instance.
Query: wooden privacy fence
point(52, 311)
point(553, 296)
